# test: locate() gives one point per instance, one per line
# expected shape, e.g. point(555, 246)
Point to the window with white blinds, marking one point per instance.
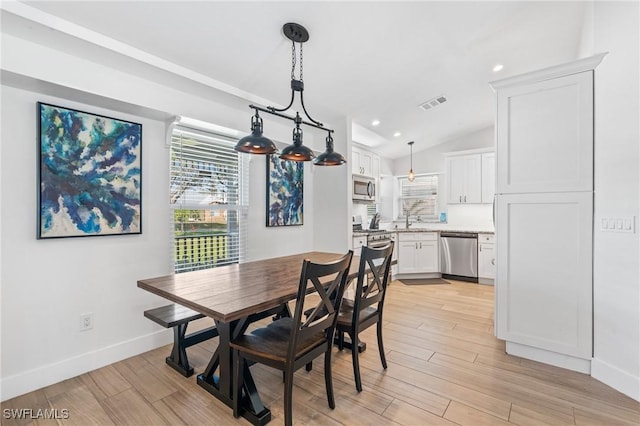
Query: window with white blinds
point(419, 199)
point(208, 198)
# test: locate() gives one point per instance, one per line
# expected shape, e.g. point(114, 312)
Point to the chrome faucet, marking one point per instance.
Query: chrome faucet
point(407, 224)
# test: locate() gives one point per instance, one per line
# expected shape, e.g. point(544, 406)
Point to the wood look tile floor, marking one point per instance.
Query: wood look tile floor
point(445, 367)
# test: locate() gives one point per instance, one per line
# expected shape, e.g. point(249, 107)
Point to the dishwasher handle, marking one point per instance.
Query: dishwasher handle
point(458, 235)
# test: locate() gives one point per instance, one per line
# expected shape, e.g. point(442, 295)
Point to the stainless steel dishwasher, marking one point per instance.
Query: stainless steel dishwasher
point(459, 255)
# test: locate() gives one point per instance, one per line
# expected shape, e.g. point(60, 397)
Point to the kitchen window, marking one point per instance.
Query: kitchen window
point(419, 199)
point(208, 199)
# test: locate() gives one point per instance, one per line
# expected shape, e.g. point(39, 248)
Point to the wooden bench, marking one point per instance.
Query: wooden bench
point(178, 317)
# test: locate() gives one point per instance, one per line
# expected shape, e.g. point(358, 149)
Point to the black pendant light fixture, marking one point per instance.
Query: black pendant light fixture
point(256, 143)
point(296, 151)
point(329, 157)
point(411, 176)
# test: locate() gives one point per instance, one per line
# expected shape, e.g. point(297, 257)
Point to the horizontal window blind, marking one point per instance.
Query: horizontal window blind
point(419, 199)
point(209, 200)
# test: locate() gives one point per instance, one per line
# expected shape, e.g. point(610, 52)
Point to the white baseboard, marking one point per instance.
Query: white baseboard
point(616, 378)
point(553, 358)
point(486, 281)
point(46, 375)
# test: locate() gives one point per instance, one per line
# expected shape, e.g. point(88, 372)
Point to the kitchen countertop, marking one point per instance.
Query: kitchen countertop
point(435, 227)
point(445, 227)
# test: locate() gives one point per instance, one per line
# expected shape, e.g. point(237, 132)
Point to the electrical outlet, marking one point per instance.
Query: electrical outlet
point(86, 321)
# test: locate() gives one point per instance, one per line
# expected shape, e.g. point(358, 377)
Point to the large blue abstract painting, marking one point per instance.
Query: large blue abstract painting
point(284, 191)
point(89, 174)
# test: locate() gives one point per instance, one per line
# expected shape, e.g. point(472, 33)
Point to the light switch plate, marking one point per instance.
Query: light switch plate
point(618, 224)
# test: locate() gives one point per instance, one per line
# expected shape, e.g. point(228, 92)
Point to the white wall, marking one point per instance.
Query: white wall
point(332, 196)
point(617, 194)
point(431, 160)
point(46, 285)
point(265, 242)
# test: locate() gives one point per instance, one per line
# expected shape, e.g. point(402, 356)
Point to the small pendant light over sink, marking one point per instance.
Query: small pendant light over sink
point(256, 143)
point(411, 176)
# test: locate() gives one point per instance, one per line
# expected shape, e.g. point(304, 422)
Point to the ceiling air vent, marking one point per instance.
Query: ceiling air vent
point(432, 103)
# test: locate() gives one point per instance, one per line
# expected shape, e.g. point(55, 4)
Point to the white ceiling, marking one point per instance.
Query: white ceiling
point(364, 60)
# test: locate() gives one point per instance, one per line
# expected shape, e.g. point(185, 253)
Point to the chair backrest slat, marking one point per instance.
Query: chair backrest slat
point(373, 278)
point(329, 281)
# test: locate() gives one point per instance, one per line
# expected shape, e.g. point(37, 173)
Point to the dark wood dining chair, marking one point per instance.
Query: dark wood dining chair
point(366, 308)
point(289, 343)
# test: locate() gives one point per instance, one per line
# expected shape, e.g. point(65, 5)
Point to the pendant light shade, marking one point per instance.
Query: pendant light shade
point(329, 157)
point(255, 143)
point(411, 177)
point(296, 151)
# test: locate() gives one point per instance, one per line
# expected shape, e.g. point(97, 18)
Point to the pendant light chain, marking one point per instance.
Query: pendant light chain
point(293, 60)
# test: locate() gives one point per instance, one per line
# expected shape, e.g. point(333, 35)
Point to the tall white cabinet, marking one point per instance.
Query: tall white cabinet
point(544, 214)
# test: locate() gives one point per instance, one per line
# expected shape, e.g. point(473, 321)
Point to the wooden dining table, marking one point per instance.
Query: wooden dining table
point(235, 296)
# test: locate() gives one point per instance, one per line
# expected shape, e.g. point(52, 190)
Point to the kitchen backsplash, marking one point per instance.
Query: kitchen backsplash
point(465, 215)
point(480, 215)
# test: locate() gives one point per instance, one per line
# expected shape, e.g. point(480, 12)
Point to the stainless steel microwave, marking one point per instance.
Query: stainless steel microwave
point(364, 189)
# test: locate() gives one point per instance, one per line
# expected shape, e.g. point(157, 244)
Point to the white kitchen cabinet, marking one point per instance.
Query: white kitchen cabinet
point(545, 135)
point(418, 252)
point(486, 259)
point(357, 243)
point(544, 214)
point(365, 163)
point(464, 178)
point(543, 282)
point(488, 184)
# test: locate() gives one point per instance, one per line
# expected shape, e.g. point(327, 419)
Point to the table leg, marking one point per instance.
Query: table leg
point(221, 385)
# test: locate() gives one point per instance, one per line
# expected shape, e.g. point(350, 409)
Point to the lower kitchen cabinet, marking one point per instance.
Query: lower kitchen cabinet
point(357, 243)
point(486, 258)
point(418, 252)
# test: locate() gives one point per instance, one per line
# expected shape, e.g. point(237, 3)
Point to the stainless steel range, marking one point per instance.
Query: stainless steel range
point(378, 237)
point(375, 237)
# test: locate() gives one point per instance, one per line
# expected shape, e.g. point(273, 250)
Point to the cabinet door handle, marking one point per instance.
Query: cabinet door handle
point(493, 262)
point(465, 198)
point(460, 198)
point(420, 245)
point(480, 247)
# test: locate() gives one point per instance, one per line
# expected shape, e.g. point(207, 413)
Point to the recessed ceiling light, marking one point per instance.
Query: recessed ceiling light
point(396, 134)
point(498, 67)
point(375, 122)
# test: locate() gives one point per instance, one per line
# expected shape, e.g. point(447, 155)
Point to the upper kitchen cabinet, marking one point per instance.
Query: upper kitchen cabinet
point(557, 155)
point(488, 183)
point(470, 177)
point(365, 163)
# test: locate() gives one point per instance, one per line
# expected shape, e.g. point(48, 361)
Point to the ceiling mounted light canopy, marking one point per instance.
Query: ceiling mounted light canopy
point(411, 176)
point(256, 143)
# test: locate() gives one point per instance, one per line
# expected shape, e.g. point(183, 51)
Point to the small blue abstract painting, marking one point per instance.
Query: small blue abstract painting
point(285, 180)
point(89, 174)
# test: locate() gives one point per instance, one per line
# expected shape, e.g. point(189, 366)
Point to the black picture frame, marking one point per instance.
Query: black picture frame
point(89, 174)
point(285, 192)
